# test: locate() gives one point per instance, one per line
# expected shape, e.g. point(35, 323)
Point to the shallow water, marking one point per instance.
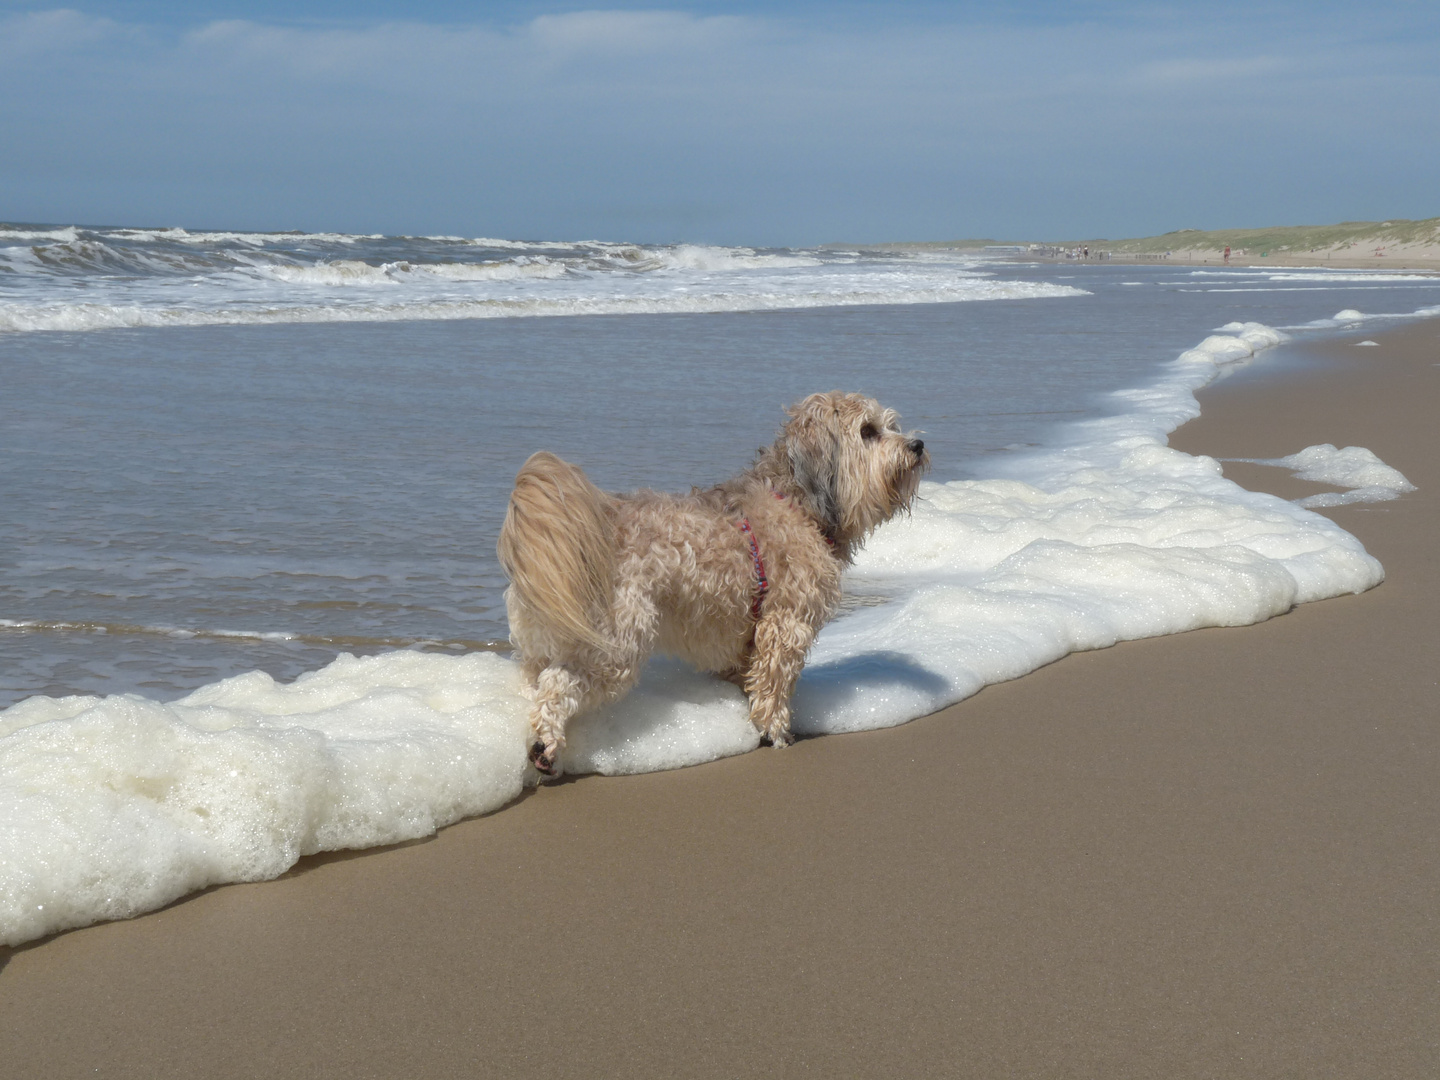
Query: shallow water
point(187, 503)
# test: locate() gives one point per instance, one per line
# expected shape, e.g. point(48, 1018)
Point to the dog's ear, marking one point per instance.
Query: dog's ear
point(814, 454)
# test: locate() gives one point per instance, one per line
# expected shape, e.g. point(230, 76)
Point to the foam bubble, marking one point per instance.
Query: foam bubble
point(1368, 478)
point(113, 806)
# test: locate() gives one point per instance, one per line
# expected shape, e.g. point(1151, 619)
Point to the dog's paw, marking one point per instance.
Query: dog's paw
point(779, 739)
point(545, 759)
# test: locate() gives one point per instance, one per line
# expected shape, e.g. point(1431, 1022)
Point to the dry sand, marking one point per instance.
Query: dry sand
point(1209, 855)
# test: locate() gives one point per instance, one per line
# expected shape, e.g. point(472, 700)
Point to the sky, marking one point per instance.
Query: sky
point(711, 122)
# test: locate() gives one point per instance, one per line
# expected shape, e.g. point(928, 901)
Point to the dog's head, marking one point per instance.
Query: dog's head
point(853, 465)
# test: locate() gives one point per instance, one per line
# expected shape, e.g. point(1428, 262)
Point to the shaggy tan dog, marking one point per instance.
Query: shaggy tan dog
point(737, 579)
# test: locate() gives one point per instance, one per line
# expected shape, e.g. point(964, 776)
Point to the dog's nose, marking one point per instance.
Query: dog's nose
point(917, 446)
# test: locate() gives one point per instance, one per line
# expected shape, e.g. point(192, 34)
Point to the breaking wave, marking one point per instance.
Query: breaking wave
point(73, 278)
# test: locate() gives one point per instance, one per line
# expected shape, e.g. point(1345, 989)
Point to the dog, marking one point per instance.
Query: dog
point(736, 579)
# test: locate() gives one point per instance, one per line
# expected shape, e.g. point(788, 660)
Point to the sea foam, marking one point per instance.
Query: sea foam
point(97, 280)
point(704, 298)
point(114, 806)
point(1368, 478)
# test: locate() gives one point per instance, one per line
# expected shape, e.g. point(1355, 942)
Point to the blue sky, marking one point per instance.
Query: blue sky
point(715, 122)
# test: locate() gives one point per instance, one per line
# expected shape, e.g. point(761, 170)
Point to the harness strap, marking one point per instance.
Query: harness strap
point(762, 583)
point(762, 586)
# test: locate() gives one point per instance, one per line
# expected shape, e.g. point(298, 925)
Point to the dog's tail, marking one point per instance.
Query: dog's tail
point(558, 548)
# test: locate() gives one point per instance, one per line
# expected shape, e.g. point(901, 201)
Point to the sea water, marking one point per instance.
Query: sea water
point(250, 606)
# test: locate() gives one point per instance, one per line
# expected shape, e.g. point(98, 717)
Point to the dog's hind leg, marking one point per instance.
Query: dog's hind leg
point(559, 694)
point(781, 642)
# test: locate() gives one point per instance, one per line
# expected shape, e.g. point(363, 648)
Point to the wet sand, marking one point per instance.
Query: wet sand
point(1426, 260)
point(1209, 855)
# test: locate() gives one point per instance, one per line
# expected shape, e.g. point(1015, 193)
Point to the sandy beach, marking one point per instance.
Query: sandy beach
point(1425, 259)
point(1374, 245)
point(1206, 855)
point(1421, 258)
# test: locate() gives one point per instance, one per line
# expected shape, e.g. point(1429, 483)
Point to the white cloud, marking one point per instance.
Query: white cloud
point(38, 33)
point(639, 33)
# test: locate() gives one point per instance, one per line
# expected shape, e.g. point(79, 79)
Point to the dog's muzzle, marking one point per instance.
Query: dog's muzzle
point(916, 446)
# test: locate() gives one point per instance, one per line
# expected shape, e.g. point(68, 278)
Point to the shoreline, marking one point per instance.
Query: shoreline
point(1252, 262)
point(1423, 259)
point(1154, 859)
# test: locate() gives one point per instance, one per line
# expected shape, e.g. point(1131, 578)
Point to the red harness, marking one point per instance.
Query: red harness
point(762, 583)
point(762, 586)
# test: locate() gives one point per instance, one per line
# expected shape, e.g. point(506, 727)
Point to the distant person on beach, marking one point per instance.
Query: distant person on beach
point(1227, 254)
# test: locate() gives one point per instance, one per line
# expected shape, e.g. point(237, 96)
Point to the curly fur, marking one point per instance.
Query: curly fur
point(598, 581)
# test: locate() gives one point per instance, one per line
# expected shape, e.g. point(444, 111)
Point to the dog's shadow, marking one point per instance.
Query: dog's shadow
point(828, 687)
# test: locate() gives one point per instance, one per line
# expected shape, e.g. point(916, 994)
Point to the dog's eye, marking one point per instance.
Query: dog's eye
point(868, 432)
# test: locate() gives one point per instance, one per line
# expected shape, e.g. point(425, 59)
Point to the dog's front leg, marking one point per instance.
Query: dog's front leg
point(781, 642)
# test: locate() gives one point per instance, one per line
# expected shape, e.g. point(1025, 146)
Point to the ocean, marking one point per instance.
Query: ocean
point(250, 606)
